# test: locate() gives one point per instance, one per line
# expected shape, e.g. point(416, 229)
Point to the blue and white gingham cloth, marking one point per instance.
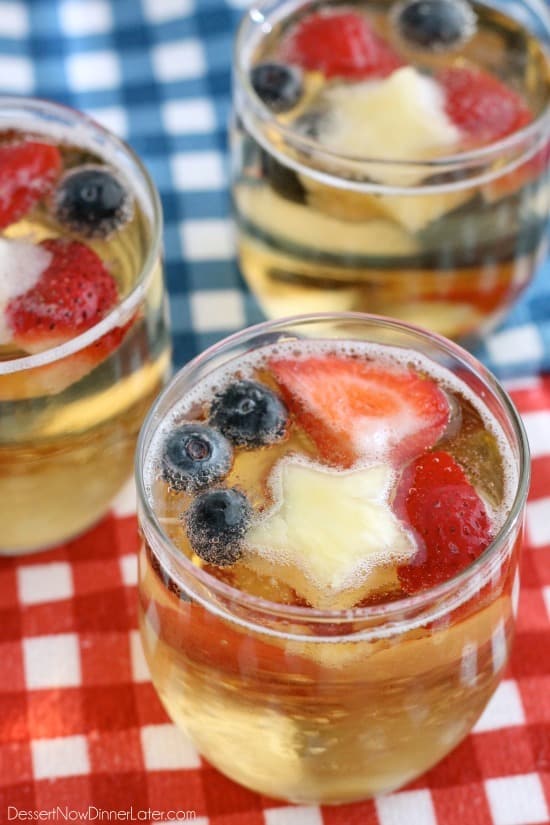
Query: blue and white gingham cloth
point(157, 72)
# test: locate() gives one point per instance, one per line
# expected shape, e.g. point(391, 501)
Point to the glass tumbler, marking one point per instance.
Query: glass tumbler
point(71, 407)
point(327, 706)
point(447, 242)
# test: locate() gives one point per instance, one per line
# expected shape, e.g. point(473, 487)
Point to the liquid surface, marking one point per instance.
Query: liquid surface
point(122, 248)
point(361, 79)
point(329, 528)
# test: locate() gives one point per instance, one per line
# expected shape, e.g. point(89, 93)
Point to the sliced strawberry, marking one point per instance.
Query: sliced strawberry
point(28, 171)
point(481, 105)
point(72, 294)
point(339, 44)
point(355, 409)
point(448, 516)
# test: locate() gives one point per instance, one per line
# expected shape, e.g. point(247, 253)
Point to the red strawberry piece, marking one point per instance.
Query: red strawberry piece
point(28, 171)
point(448, 516)
point(355, 409)
point(339, 44)
point(74, 292)
point(481, 105)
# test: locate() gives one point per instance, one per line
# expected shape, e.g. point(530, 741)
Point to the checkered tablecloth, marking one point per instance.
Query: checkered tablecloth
point(80, 725)
point(157, 72)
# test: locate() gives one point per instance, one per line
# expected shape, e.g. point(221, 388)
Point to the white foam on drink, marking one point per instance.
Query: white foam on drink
point(21, 265)
point(245, 366)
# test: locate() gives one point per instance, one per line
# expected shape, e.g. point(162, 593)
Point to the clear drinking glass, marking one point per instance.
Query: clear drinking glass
point(326, 706)
point(70, 411)
point(447, 242)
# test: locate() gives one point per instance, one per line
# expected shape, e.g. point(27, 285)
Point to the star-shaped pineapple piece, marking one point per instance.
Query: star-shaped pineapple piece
point(330, 535)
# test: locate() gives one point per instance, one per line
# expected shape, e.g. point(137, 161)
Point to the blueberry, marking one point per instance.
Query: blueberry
point(216, 523)
point(92, 201)
point(436, 25)
point(194, 457)
point(279, 86)
point(249, 414)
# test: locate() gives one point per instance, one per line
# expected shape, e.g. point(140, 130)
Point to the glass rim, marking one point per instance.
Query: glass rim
point(394, 609)
point(256, 111)
point(123, 311)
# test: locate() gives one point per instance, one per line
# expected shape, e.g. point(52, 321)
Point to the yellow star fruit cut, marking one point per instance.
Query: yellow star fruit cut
point(330, 535)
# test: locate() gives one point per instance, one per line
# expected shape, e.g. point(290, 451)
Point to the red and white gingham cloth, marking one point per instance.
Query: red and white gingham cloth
point(82, 732)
